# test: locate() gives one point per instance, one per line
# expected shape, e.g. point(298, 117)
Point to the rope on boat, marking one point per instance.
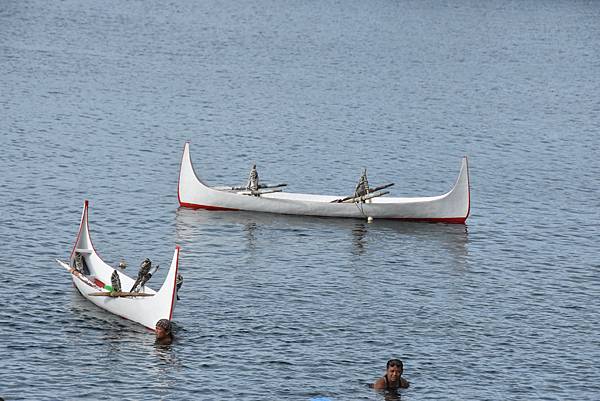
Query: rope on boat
point(359, 205)
point(361, 191)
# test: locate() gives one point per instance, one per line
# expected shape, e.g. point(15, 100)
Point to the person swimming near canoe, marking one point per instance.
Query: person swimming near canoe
point(392, 380)
point(164, 332)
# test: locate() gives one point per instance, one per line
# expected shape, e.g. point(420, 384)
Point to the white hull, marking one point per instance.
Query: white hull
point(452, 207)
point(145, 310)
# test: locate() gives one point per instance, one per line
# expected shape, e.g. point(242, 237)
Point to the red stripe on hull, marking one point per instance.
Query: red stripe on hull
point(449, 220)
point(195, 206)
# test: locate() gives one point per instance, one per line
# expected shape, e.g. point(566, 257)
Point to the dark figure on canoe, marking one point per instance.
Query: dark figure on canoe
point(362, 188)
point(143, 275)
point(392, 380)
point(253, 181)
point(164, 333)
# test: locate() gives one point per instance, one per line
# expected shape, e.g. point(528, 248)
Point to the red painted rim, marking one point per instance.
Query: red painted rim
point(207, 207)
point(174, 284)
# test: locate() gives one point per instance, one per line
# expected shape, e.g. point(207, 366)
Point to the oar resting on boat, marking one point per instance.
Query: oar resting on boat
point(259, 192)
point(76, 273)
point(113, 294)
point(253, 187)
point(371, 193)
point(261, 186)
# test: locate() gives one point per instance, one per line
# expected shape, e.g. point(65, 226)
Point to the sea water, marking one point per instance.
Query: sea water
point(98, 98)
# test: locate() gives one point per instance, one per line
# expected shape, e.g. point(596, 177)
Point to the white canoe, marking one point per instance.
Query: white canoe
point(146, 309)
point(451, 207)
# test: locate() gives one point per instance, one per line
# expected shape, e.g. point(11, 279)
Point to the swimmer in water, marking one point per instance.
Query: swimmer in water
point(164, 334)
point(392, 380)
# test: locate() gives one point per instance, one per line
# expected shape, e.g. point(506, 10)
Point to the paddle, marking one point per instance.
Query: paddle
point(76, 273)
point(115, 294)
point(379, 188)
point(260, 192)
point(361, 199)
point(260, 186)
point(370, 194)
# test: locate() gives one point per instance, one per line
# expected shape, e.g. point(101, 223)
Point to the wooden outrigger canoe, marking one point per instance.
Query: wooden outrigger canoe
point(146, 307)
point(451, 207)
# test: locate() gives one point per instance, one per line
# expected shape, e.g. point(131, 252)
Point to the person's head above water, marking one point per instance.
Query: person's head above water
point(163, 330)
point(392, 379)
point(394, 369)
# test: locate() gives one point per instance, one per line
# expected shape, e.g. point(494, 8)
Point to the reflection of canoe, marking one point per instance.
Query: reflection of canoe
point(249, 231)
point(146, 309)
point(452, 207)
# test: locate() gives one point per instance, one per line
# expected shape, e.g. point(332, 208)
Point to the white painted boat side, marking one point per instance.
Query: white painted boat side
point(143, 310)
point(451, 207)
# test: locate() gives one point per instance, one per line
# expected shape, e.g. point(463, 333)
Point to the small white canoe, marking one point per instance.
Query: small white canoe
point(451, 207)
point(146, 309)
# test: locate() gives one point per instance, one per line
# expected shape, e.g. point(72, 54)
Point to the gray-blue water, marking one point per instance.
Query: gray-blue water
point(98, 98)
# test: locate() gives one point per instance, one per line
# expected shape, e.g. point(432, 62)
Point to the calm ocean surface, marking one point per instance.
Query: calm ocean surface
point(98, 98)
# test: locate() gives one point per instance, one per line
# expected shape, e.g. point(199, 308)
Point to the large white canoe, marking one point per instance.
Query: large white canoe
point(146, 309)
point(451, 207)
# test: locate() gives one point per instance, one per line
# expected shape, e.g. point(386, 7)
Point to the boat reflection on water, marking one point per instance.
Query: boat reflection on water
point(359, 231)
point(250, 230)
point(221, 230)
point(91, 317)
